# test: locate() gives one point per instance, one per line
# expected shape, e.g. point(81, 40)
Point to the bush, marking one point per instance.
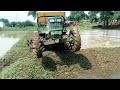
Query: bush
point(20, 24)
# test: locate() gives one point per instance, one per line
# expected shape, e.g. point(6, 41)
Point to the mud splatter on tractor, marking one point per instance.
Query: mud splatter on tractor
point(51, 30)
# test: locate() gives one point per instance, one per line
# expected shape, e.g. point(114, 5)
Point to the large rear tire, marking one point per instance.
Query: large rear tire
point(76, 45)
point(35, 44)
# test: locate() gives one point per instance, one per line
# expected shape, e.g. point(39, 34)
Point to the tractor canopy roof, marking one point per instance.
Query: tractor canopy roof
point(43, 16)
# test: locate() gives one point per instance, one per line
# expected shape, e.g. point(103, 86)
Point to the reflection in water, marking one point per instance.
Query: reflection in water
point(6, 43)
point(100, 38)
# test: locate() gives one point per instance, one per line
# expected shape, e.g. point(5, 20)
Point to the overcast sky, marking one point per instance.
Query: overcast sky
point(20, 15)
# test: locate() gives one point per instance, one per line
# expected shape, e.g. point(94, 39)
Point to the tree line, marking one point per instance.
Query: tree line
point(104, 17)
point(17, 24)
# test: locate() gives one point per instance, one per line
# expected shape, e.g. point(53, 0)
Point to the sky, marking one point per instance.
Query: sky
point(20, 15)
point(16, 16)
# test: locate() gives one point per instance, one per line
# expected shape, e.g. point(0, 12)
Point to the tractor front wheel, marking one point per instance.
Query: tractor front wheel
point(75, 45)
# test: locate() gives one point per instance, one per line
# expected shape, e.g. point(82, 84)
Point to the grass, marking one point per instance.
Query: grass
point(18, 48)
point(85, 26)
point(89, 26)
point(20, 57)
point(26, 68)
point(15, 32)
point(19, 63)
point(17, 28)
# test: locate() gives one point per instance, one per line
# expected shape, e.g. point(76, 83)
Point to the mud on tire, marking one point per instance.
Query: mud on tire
point(35, 44)
point(77, 44)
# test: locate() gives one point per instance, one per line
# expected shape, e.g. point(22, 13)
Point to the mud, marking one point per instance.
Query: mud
point(100, 38)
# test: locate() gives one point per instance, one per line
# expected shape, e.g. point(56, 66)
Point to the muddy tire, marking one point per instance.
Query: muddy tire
point(74, 46)
point(35, 44)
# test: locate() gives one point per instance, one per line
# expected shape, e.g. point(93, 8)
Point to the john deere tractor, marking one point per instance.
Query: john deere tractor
point(51, 29)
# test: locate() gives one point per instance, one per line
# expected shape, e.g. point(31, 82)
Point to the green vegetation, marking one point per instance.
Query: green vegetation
point(7, 23)
point(20, 24)
point(78, 16)
point(17, 28)
point(33, 13)
point(15, 31)
point(19, 63)
point(86, 26)
point(19, 56)
point(18, 48)
point(105, 18)
point(25, 68)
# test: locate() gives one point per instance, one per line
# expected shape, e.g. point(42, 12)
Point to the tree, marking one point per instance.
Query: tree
point(70, 18)
point(77, 15)
point(5, 21)
point(13, 24)
point(116, 16)
point(33, 13)
point(28, 23)
point(93, 16)
point(105, 16)
point(21, 24)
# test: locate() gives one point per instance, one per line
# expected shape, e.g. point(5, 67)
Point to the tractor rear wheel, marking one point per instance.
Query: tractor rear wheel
point(35, 44)
point(75, 45)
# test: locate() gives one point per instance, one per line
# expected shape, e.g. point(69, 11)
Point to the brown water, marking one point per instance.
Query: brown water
point(100, 38)
point(6, 43)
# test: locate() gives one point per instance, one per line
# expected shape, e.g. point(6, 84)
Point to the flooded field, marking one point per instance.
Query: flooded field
point(95, 63)
point(6, 43)
point(100, 38)
point(89, 38)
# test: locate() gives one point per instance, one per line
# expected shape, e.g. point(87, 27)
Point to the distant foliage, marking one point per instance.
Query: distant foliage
point(93, 16)
point(103, 17)
point(77, 16)
point(21, 24)
point(17, 24)
point(5, 21)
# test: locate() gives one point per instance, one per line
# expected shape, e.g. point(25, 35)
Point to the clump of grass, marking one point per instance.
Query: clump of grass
point(26, 68)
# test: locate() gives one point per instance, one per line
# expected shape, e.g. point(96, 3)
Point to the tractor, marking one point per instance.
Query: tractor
point(51, 30)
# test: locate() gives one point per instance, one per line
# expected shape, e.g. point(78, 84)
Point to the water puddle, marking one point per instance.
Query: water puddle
point(6, 43)
point(100, 38)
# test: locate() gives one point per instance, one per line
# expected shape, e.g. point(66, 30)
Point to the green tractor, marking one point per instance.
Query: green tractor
point(51, 30)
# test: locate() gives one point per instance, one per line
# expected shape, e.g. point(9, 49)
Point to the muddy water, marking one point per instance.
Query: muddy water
point(6, 43)
point(100, 38)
